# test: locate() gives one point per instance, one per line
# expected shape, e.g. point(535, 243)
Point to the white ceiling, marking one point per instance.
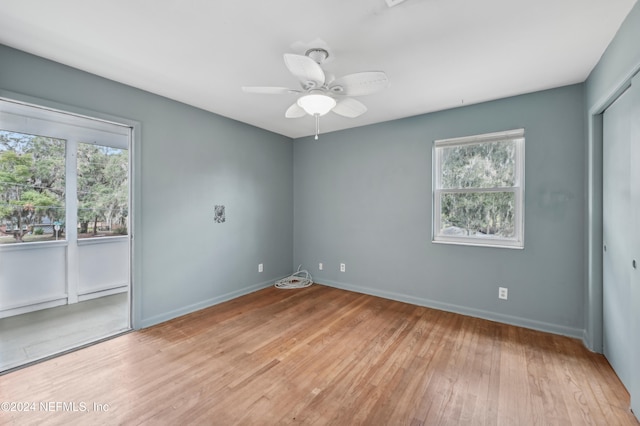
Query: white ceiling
point(437, 54)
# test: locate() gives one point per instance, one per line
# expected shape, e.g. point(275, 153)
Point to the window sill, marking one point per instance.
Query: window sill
point(496, 244)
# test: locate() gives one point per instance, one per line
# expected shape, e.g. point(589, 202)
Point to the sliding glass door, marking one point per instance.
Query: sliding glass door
point(64, 231)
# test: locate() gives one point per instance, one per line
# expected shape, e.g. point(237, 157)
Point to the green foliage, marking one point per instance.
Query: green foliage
point(32, 183)
point(489, 213)
point(102, 186)
point(478, 166)
point(38, 231)
point(122, 230)
point(31, 180)
point(486, 165)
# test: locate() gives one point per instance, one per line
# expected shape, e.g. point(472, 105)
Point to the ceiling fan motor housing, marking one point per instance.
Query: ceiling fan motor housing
point(317, 54)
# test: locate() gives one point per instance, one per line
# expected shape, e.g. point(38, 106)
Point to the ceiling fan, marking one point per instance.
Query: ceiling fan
point(320, 92)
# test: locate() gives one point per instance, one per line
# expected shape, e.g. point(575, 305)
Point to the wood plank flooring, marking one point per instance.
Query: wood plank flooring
point(322, 356)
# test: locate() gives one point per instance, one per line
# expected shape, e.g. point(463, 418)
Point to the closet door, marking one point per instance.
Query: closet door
point(634, 386)
point(621, 235)
point(616, 216)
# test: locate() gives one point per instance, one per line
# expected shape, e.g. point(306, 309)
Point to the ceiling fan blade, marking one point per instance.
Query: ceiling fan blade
point(268, 90)
point(305, 69)
point(360, 83)
point(349, 108)
point(295, 111)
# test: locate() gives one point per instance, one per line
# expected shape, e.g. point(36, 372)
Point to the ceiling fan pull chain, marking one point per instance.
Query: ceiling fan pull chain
point(317, 124)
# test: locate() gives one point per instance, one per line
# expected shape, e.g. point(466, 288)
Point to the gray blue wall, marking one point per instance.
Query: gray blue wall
point(608, 79)
point(186, 161)
point(363, 197)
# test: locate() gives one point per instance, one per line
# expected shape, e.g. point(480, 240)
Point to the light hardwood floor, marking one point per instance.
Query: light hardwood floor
point(322, 356)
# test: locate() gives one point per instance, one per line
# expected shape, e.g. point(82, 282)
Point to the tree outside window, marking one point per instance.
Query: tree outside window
point(32, 189)
point(32, 186)
point(103, 191)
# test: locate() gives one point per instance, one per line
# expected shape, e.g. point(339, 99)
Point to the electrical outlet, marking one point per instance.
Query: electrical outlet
point(320, 266)
point(343, 267)
point(260, 267)
point(503, 293)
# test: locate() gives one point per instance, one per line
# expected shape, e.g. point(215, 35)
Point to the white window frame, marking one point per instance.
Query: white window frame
point(517, 242)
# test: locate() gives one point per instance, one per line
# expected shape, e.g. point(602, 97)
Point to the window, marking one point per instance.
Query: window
point(103, 190)
point(32, 187)
point(479, 190)
point(62, 176)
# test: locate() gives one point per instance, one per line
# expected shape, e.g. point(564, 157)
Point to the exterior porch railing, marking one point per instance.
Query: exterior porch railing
point(34, 275)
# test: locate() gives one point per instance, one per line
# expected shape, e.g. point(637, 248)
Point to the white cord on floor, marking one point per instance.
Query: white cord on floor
point(299, 279)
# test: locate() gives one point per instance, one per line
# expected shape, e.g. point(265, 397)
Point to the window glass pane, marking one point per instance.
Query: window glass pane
point(479, 215)
point(103, 191)
point(486, 165)
point(32, 188)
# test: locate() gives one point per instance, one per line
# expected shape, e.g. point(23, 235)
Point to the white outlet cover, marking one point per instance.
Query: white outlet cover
point(503, 293)
point(343, 267)
point(260, 267)
point(320, 266)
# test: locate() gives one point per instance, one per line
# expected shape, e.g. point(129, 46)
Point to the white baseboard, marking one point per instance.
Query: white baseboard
point(477, 313)
point(101, 293)
point(33, 306)
point(157, 319)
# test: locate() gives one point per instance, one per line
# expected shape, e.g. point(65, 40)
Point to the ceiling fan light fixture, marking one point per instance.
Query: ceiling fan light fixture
point(318, 87)
point(316, 104)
